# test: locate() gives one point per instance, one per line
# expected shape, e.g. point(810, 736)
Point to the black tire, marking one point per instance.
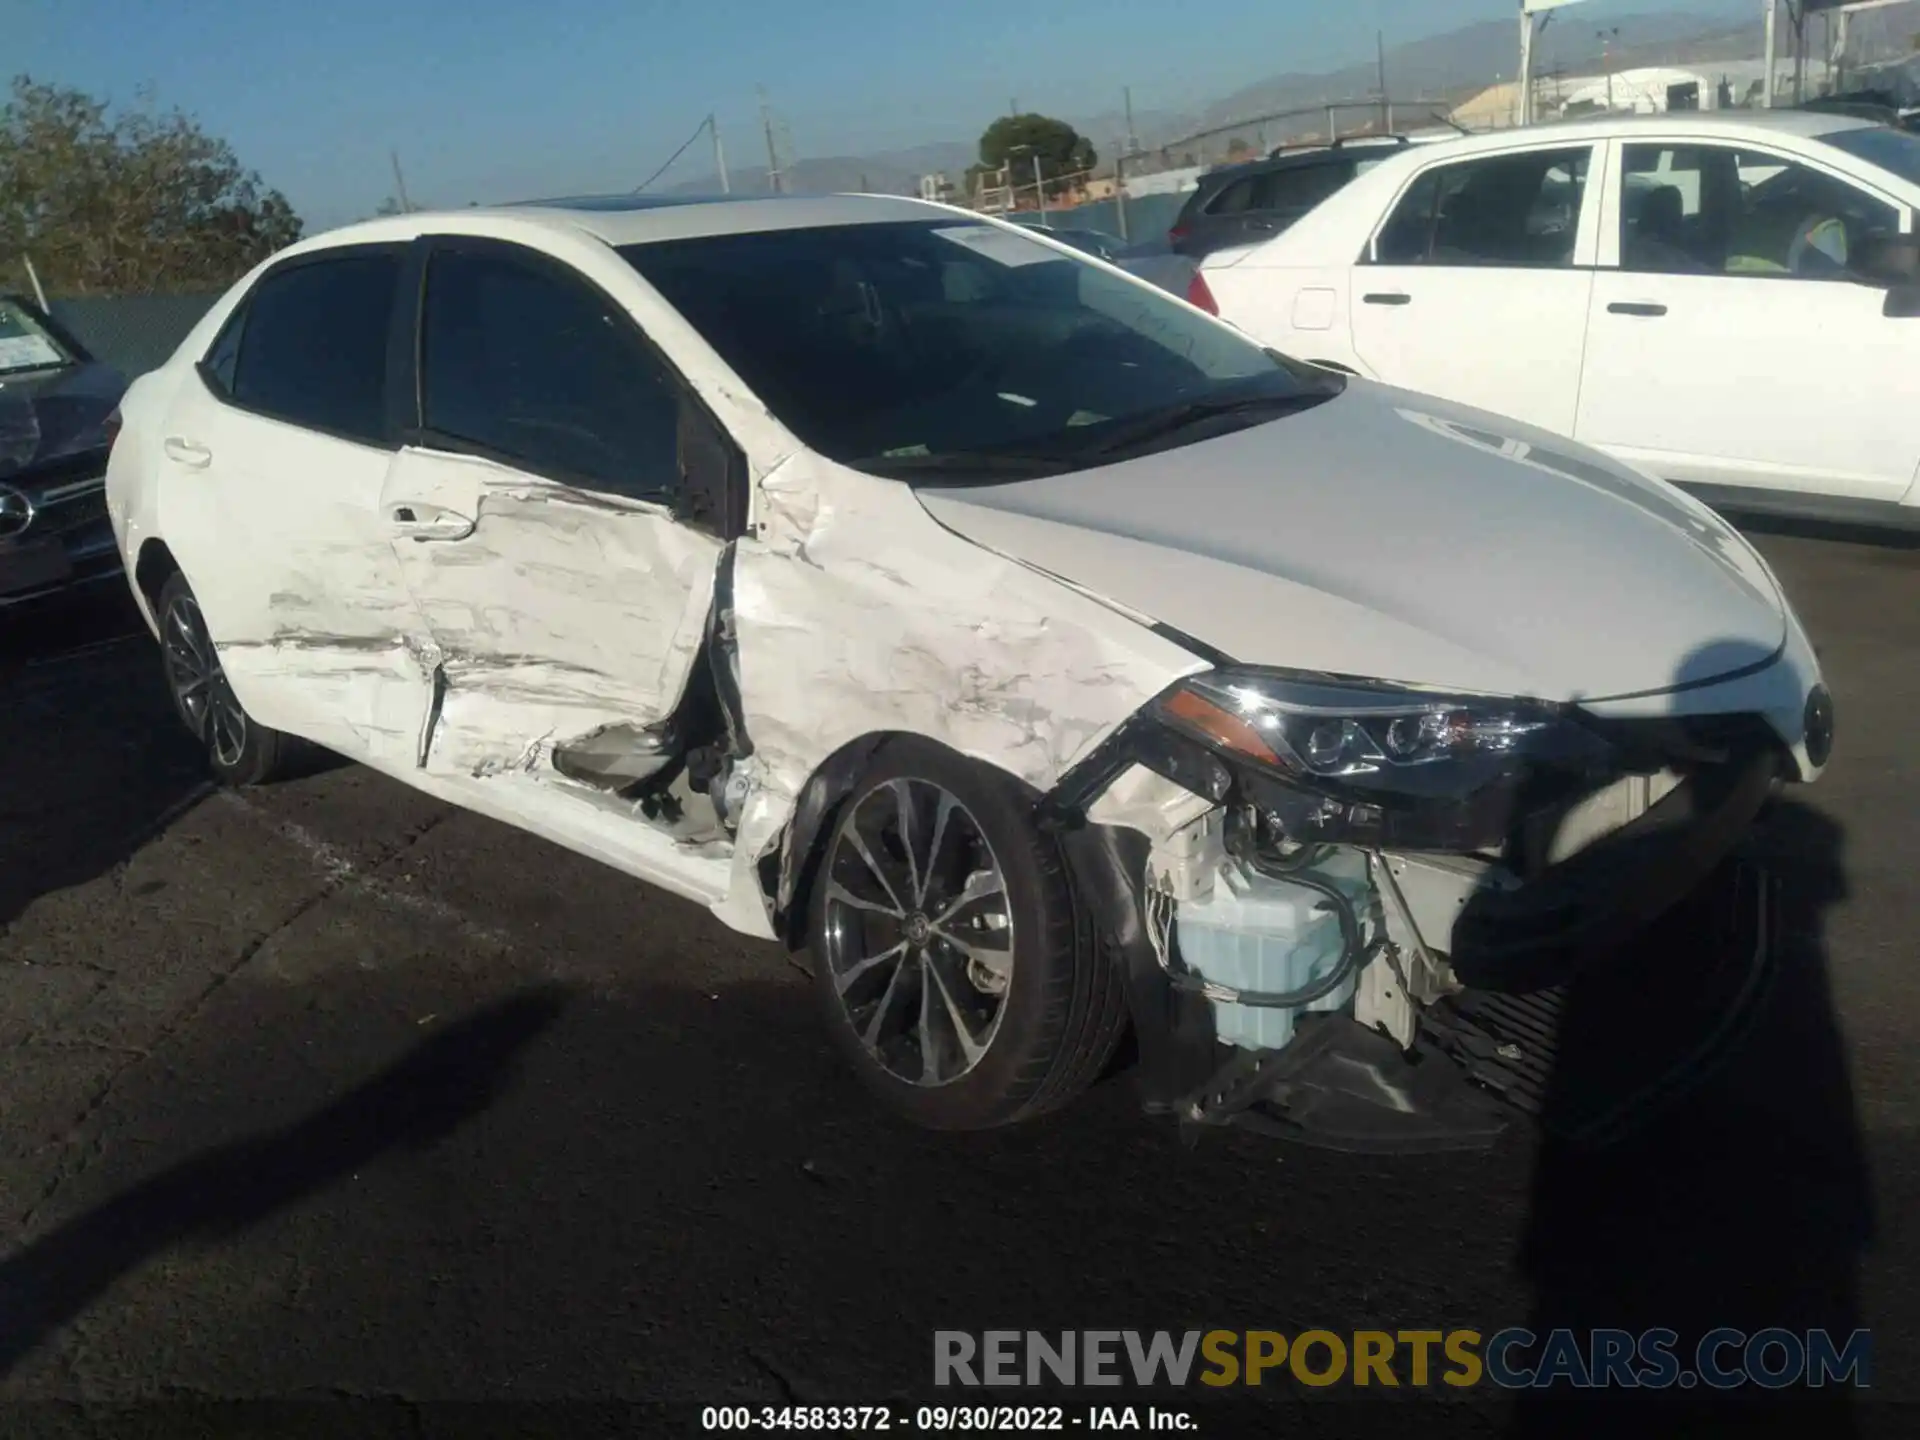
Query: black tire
point(239, 750)
point(1062, 1011)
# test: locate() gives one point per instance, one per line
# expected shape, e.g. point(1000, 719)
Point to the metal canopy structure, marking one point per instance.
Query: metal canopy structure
point(1535, 15)
point(1798, 12)
point(1531, 23)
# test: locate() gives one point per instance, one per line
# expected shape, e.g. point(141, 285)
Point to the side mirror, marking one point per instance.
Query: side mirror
point(1892, 260)
point(1902, 303)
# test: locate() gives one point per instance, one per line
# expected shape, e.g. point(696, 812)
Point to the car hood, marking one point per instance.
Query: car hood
point(1396, 536)
point(55, 416)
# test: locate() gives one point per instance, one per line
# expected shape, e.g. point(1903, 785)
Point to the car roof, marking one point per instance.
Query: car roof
point(1723, 124)
point(639, 219)
point(1299, 159)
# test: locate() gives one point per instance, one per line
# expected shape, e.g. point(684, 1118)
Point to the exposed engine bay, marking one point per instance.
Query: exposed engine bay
point(1328, 977)
point(1268, 928)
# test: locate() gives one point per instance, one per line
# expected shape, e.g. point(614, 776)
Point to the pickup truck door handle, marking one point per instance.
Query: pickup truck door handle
point(1627, 307)
point(425, 522)
point(1387, 297)
point(190, 453)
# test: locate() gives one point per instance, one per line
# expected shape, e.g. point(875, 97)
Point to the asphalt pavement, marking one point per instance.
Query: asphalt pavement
point(327, 1090)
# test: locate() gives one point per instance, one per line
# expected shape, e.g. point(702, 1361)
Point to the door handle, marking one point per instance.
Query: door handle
point(190, 453)
point(1264, 226)
point(1624, 307)
point(422, 524)
point(1389, 297)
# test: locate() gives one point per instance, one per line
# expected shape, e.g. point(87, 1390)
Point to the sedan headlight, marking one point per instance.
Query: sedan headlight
point(1347, 760)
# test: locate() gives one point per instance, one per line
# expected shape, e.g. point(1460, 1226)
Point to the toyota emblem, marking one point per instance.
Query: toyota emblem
point(16, 513)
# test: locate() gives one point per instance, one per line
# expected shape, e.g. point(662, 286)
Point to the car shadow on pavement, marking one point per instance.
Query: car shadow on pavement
point(1702, 1164)
point(93, 761)
point(441, 1083)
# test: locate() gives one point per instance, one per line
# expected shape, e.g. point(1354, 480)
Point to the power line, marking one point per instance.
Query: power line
point(698, 131)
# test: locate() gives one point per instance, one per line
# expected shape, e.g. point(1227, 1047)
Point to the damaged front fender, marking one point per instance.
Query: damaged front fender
point(857, 616)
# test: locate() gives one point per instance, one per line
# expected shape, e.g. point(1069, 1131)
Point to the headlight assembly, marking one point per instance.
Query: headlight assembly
point(1351, 761)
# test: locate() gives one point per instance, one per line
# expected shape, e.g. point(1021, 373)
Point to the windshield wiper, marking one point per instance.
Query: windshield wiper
point(963, 462)
point(1171, 421)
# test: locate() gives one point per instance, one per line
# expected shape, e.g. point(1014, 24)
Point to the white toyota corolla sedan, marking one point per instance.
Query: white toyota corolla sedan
point(1035, 652)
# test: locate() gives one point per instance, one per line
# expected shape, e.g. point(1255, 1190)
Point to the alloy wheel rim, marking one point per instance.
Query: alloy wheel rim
point(918, 935)
point(199, 685)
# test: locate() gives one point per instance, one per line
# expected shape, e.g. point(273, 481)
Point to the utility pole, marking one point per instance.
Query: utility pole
point(774, 177)
point(1386, 105)
point(1798, 14)
point(719, 156)
point(1773, 51)
point(1535, 16)
point(1039, 187)
point(1120, 187)
point(406, 205)
point(1837, 24)
point(1526, 65)
point(1133, 139)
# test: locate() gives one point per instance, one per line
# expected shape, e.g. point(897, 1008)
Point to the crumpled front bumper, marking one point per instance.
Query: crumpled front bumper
point(1556, 915)
point(1781, 689)
point(1577, 912)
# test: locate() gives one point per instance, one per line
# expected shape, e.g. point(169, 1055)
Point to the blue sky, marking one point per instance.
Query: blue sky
point(500, 99)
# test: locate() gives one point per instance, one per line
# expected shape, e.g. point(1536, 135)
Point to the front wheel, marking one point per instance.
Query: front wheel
point(239, 751)
point(954, 966)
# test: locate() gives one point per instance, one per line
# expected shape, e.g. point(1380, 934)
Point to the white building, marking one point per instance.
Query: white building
point(1167, 182)
point(1646, 90)
point(1652, 89)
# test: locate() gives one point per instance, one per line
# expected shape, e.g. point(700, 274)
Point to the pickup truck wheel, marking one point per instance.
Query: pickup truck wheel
point(957, 972)
point(239, 750)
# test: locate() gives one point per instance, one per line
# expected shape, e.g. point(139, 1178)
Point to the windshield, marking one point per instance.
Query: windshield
point(904, 347)
point(25, 343)
point(1895, 151)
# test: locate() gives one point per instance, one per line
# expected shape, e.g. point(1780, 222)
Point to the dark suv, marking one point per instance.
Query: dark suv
point(1247, 203)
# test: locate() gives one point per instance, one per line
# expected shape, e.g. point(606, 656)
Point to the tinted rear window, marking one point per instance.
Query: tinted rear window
point(1304, 187)
point(313, 345)
point(1897, 151)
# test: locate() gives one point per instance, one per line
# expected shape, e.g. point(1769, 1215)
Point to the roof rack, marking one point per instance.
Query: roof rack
point(1338, 143)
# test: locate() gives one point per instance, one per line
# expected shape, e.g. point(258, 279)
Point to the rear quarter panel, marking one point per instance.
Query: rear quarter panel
point(133, 469)
point(1294, 292)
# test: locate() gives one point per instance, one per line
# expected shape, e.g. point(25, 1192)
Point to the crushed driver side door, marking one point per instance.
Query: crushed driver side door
point(552, 515)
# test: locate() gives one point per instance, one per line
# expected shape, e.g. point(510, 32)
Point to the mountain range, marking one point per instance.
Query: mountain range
point(1441, 69)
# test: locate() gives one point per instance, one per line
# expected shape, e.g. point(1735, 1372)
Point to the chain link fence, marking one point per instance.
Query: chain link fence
point(133, 333)
point(1149, 217)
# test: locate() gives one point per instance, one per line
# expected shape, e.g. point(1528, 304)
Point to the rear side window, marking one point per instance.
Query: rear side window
point(537, 369)
point(1235, 199)
point(310, 347)
point(1511, 210)
point(1300, 189)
